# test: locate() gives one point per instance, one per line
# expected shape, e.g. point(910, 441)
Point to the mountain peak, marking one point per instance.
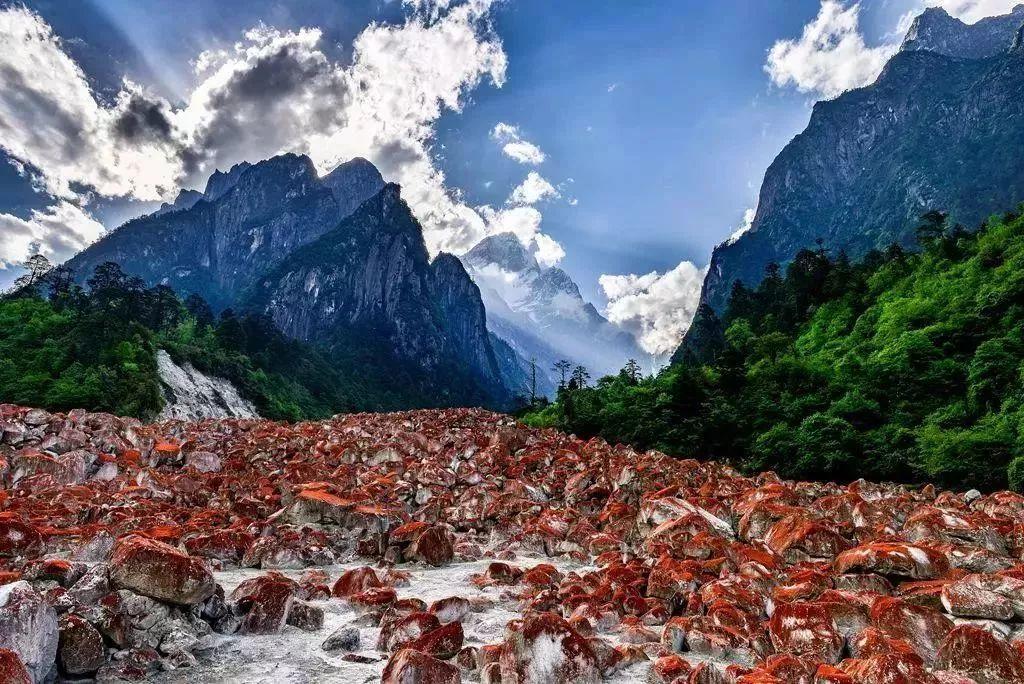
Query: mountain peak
point(504, 250)
point(935, 30)
point(222, 181)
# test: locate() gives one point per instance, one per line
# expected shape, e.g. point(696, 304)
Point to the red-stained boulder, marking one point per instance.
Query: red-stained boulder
point(160, 571)
point(80, 650)
point(669, 668)
point(873, 641)
point(995, 597)
point(225, 545)
point(433, 546)
point(355, 581)
point(265, 602)
point(797, 538)
point(806, 630)
point(399, 630)
point(543, 649)
point(499, 573)
point(893, 559)
point(887, 668)
point(442, 642)
point(410, 666)
point(373, 600)
point(921, 627)
point(12, 670)
point(978, 654)
point(451, 609)
point(18, 538)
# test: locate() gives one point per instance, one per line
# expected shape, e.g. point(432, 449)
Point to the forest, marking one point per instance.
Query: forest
point(903, 366)
point(65, 346)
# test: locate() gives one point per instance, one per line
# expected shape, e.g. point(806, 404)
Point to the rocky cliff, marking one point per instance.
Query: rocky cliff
point(245, 222)
point(936, 31)
point(337, 261)
point(934, 131)
point(371, 281)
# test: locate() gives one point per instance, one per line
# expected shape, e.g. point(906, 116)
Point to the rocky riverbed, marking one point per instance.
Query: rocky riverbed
point(456, 545)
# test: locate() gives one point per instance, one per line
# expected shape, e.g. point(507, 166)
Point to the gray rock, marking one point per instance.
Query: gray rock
point(344, 639)
point(28, 626)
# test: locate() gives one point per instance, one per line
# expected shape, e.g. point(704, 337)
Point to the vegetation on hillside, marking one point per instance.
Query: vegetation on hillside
point(63, 346)
point(905, 367)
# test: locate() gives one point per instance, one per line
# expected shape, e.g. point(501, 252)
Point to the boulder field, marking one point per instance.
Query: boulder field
point(114, 537)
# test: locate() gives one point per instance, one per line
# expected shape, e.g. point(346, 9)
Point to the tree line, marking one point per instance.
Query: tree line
point(902, 366)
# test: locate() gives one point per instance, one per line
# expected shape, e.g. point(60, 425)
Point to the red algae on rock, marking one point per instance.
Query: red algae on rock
point(562, 560)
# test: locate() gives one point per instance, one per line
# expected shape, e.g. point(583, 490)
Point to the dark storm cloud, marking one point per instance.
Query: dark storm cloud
point(143, 119)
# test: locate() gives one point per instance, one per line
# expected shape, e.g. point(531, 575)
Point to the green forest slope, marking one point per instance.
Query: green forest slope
point(64, 347)
point(903, 367)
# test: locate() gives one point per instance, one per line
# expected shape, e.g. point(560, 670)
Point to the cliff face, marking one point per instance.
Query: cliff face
point(370, 280)
point(933, 132)
point(337, 261)
point(246, 221)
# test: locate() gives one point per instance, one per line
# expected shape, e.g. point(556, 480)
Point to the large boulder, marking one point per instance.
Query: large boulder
point(80, 650)
point(433, 546)
point(18, 538)
point(922, 627)
point(806, 630)
point(410, 666)
point(893, 559)
point(978, 654)
point(265, 602)
point(160, 571)
point(28, 626)
point(356, 581)
point(544, 649)
point(993, 597)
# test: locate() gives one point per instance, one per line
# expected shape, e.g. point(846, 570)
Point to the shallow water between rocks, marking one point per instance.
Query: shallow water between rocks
point(295, 657)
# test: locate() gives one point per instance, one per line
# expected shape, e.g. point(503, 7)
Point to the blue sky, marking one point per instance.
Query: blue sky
point(656, 120)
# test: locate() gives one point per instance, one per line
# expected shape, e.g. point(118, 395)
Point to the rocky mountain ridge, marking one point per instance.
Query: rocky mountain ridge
point(337, 261)
point(934, 132)
point(934, 30)
point(372, 275)
point(247, 221)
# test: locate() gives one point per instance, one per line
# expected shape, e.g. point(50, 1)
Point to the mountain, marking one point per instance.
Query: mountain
point(539, 311)
point(371, 279)
point(901, 367)
point(934, 30)
point(246, 221)
point(940, 129)
point(338, 262)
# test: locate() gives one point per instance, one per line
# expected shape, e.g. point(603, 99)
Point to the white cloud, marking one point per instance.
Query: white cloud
point(57, 232)
point(515, 147)
point(49, 118)
point(971, 11)
point(532, 190)
point(656, 308)
point(830, 57)
point(746, 225)
point(272, 92)
point(547, 250)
